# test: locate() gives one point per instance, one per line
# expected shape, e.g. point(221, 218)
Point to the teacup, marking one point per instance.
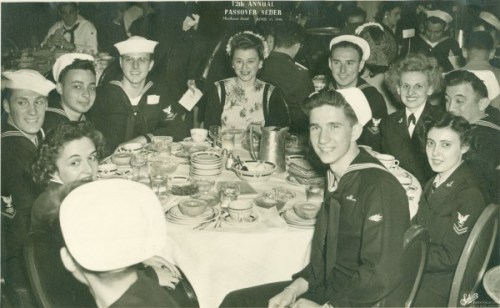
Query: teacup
point(240, 210)
point(199, 134)
point(134, 147)
point(389, 161)
point(107, 170)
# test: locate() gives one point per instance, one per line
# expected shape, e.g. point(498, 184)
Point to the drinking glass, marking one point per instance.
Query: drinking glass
point(159, 178)
point(214, 133)
point(163, 144)
point(139, 168)
point(229, 192)
point(227, 141)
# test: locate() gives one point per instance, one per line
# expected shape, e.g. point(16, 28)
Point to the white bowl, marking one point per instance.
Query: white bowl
point(258, 170)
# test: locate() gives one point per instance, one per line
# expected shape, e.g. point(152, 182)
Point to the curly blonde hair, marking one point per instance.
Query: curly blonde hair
point(414, 63)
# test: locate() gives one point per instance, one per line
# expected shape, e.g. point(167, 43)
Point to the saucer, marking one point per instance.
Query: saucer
point(295, 221)
point(226, 218)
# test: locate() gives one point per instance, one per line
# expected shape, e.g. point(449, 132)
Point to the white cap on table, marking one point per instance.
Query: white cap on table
point(136, 44)
point(357, 100)
point(112, 224)
point(27, 79)
point(66, 60)
point(362, 43)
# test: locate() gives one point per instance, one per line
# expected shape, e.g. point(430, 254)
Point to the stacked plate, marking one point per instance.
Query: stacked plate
point(208, 163)
point(175, 216)
point(296, 222)
point(302, 172)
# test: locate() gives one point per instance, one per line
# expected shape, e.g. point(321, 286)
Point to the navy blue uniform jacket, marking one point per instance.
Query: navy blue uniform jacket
point(358, 239)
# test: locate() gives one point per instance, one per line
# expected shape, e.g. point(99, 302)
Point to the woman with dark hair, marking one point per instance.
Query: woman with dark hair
point(69, 155)
point(239, 101)
point(389, 14)
point(450, 204)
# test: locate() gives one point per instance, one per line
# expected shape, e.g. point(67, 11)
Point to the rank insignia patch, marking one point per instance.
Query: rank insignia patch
point(458, 226)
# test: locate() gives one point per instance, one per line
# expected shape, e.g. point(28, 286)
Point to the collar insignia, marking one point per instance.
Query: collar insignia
point(449, 184)
point(351, 197)
point(376, 218)
point(400, 121)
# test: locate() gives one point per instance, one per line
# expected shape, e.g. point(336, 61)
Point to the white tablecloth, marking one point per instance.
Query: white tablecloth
point(217, 261)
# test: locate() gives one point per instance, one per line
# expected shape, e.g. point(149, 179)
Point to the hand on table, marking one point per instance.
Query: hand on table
point(305, 303)
point(285, 298)
point(168, 274)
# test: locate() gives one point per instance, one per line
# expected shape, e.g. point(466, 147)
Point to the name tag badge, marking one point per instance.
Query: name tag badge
point(153, 99)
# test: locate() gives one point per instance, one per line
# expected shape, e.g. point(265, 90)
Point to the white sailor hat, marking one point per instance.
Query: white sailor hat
point(357, 100)
point(112, 224)
point(27, 79)
point(489, 80)
point(66, 60)
point(136, 44)
point(491, 19)
point(362, 43)
point(441, 15)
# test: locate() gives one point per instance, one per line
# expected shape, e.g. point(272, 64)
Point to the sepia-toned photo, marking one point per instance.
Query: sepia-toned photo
point(250, 154)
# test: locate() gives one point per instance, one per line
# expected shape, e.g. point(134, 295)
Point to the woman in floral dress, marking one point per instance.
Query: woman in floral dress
point(239, 101)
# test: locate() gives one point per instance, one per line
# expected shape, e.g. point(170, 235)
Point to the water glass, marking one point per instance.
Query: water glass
point(158, 177)
point(229, 192)
point(315, 193)
point(214, 131)
point(227, 141)
point(139, 167)
point(162, 144)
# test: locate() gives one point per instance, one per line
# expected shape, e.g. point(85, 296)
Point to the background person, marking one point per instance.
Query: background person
point(89, 224)
point(239, 101)
point(72, 32)
point(403, 132)
point(24, 101)
point(467, 96)
point(451, 203)
point(134, 108)
point(75, 78)
point(357, 243)
point(478, 50)
point(290, 77)
point(348, 54)
point(435, 41)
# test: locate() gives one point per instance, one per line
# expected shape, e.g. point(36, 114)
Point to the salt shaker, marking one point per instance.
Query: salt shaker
point(229, 161)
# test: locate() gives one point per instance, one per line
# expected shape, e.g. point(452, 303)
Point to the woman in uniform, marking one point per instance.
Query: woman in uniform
point(450, 204)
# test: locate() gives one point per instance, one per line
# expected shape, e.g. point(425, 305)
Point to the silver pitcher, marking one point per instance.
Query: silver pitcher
point(272, 145)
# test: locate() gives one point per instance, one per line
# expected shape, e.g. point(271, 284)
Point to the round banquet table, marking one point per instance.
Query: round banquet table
point(222, 257)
